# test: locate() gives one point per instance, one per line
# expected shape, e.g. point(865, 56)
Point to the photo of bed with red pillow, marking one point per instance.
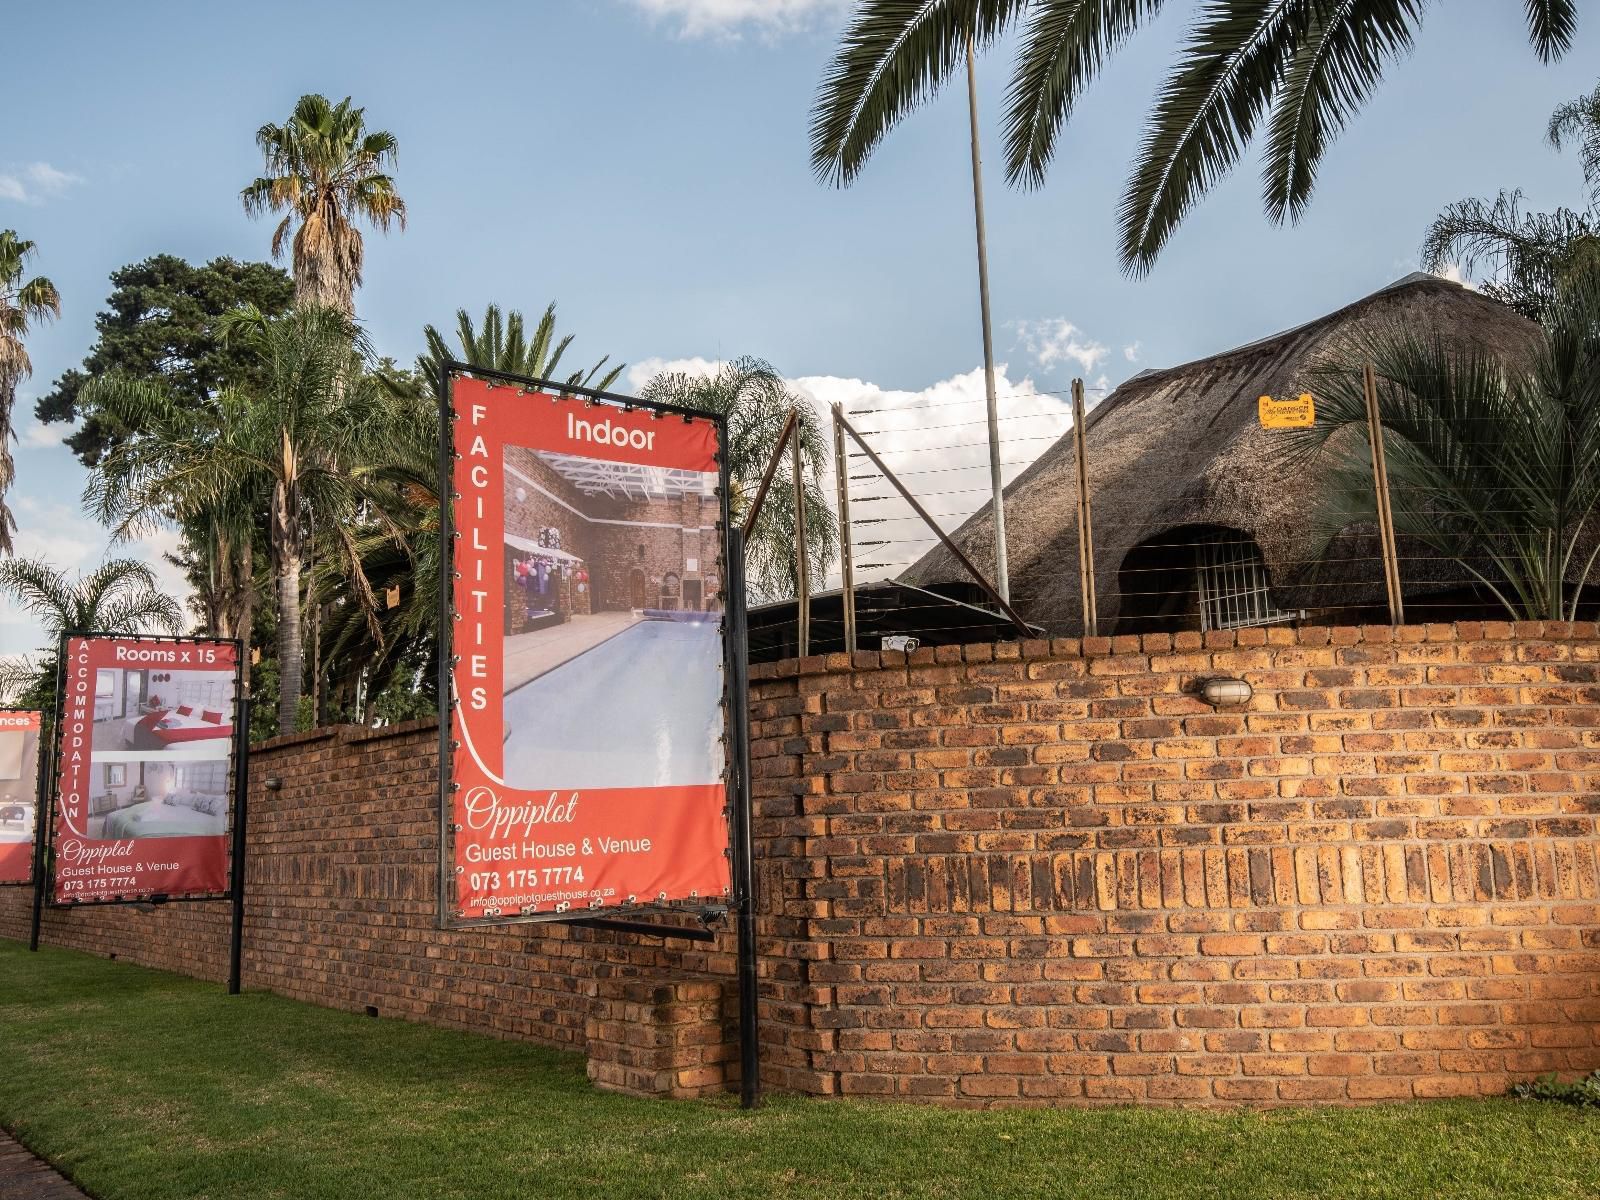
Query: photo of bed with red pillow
point(164, 728)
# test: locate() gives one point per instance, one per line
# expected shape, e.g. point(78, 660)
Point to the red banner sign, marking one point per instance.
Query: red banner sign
point(588, 765)
point(19, 792)
point(144, 782)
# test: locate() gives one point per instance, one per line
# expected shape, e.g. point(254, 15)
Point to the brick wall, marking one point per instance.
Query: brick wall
point(1028, 873)
point(342, 883)
point(1044, 872)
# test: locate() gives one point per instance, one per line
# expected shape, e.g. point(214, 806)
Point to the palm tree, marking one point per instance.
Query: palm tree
point(1531, 252)
point(756, 402)
point(21, 303)
point(289, 446)
point(1302, 68)
point(167, 471)
point(1493, 465)
point(502, 344)
point(326, 171)
point(118, 596)
point(1579, 121)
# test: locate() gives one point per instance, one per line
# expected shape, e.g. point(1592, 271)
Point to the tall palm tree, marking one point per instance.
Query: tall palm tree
point(1301, 68)
point(1492, 465)
point(756, 402)
point(1531, 252)
point(502, 344)
point(290, 446)
point(22, 302)
point(326, 171)
point(118, 596)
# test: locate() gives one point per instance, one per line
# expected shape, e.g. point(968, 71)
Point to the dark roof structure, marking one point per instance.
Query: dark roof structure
point(886, 609)
point(1183, 447)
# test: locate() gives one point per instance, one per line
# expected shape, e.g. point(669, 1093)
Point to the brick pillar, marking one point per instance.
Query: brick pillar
point(677, 1039)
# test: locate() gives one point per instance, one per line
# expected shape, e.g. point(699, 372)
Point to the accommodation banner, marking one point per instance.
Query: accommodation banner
point(19, 792)
point(146, 747)
point(587, 761)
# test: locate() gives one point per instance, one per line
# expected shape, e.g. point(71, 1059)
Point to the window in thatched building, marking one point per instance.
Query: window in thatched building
point(1235, 590)
point(1196, 577)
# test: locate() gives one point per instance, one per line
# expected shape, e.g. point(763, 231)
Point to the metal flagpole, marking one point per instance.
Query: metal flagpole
point(1002, 573)
point(241, 818)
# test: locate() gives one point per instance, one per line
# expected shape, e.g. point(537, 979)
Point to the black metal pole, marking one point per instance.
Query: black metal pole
point(43, 810)
point(241, 822)
point(743, 844)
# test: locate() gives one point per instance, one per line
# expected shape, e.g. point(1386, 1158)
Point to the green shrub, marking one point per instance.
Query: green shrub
point(1585, 1092)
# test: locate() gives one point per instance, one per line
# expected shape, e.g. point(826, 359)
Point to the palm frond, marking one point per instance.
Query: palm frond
point(1206, 114)
point(892, 58)
point(1551, 24)
point(1064, 45)
point(1339, 60)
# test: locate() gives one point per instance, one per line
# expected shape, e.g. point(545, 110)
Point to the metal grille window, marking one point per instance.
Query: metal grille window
point(1234, 588)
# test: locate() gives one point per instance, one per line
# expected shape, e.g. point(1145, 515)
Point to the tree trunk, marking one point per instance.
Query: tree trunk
point(291, 653)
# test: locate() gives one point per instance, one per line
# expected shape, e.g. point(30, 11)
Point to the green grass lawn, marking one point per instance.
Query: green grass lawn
point(142, 1085)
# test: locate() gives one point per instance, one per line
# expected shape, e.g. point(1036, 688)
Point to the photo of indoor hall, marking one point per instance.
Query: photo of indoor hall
point(594, 547)
point(139, 798)
point(613, 606)
point(185, 713)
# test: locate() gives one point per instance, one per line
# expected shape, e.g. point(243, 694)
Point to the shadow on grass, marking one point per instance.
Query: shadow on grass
point(148, 1086)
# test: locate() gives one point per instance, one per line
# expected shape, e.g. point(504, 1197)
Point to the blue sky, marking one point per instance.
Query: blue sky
point(644, 162)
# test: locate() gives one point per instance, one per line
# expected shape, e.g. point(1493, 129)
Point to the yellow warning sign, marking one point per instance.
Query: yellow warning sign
point(1288, 412)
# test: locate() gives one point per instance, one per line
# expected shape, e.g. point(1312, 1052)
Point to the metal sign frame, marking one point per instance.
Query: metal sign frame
point(735, 672)
point(40, 776)
point(238, 777)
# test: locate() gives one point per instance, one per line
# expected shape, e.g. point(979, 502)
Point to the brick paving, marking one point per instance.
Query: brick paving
point(24, 1177)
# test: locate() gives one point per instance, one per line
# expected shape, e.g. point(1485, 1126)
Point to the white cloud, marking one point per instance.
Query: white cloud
point(936, 440)
point(1454, 273)
point(1131, 353)
point(66, 539)
point(34, 183)
point(1055, 341)
point(731, 18)
point(641, 373)
point(39, 436)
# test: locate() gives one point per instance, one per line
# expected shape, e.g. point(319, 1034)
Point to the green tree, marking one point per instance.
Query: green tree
point(1530, 253)
point(502, 344)
point(326, 171)
point(290, 445)
point(22, 302)
point(756, 402)
point(118, 596)
point(160, 324)
point(1493, 465)
point(1299, 69)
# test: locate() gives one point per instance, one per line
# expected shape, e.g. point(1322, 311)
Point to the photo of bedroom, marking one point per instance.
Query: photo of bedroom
point(19, 759)
point(144, 798)
point(188, 714)
point(613, 605)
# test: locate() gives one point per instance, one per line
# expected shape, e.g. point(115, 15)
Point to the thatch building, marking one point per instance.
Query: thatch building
point(1198, 523)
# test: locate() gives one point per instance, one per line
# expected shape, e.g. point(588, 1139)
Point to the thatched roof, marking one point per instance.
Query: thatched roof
point(1183, 446)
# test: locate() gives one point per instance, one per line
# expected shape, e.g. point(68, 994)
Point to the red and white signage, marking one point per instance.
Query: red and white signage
point(588, 763)
point(145, 773)
point(19, 792)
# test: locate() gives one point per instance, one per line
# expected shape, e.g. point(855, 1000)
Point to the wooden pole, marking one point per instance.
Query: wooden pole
point(802, 574)
point(1002, 571)
point(766, 476)
point(1380, 483)
point(848, 575)
point(1091, 612)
